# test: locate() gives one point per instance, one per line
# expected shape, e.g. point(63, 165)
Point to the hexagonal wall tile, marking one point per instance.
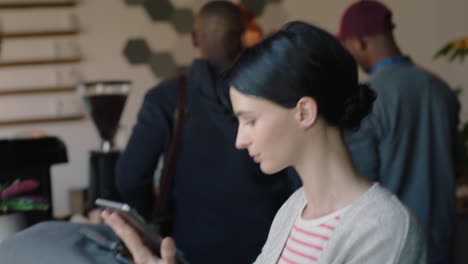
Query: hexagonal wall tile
point(197, 4)
point(173, 51)
point(182, 20)
point(159, 10)
point(162, 64)
point(257, 6)
point(137, 51)
point(182, 3)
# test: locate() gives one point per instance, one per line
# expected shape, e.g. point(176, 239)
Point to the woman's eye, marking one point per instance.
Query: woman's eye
point(249, 123)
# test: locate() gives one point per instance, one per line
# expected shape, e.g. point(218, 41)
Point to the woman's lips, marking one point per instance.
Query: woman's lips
point(256, 158)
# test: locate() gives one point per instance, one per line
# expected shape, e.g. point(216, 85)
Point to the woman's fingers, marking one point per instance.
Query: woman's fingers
point(141, 254)
point(168, 251)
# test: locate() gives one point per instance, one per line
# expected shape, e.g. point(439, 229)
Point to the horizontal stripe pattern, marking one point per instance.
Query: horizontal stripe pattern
point(307, 240)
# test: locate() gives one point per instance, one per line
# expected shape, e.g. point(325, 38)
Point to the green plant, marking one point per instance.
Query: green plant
point(458, 49)
point(16, 197)
point(454, 49)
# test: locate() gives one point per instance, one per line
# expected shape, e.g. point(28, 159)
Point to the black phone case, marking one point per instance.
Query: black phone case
point(149, 233)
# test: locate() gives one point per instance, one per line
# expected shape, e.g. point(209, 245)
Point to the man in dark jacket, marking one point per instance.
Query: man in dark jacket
point(223, 203)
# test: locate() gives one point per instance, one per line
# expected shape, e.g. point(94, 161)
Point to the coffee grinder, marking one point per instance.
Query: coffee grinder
point(104, 101)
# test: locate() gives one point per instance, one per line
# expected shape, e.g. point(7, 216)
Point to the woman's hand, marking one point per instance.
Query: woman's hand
point(141, 254)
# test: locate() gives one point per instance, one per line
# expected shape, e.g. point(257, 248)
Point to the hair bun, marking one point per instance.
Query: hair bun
point(357, 107)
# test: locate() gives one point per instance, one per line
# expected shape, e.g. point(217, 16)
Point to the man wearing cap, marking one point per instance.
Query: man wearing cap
point(408, 142)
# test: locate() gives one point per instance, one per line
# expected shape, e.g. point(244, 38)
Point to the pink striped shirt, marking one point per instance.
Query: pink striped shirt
point(308, 238)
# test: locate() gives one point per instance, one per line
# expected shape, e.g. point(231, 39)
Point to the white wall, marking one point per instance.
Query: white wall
point(422, 27)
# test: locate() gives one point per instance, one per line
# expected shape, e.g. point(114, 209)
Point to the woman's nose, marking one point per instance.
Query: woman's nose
point(242, 141)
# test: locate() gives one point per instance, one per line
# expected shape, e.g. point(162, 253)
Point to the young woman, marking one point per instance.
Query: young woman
point(294, 95)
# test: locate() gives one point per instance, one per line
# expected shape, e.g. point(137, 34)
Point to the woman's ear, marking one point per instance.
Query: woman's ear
point(306, 112)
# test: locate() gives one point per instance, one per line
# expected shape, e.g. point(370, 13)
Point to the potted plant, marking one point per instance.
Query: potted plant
point(458, 49)
point(16, 198)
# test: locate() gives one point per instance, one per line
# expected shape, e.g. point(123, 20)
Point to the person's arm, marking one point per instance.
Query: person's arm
point(140, 253)
point(150, 137)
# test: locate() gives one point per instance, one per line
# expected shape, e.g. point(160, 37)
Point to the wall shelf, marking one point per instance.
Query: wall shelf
point(36, 4)
point(38, 90)
point(43, 120)
point(4, 64)
point(32, 101)
point(44, 33)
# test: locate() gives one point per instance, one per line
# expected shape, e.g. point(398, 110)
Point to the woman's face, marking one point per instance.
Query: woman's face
point(265, 130)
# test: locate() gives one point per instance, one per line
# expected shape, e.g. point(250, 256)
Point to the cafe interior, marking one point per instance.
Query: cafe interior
point(74, 74)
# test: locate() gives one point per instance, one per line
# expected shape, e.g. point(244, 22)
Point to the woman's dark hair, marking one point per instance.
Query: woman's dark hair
point(303, 60)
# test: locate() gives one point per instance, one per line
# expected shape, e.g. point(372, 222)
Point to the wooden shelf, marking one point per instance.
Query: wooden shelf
point(43, 120)
point(44, 33)
point(4, 64)
point(36, 4)
point(38, 90)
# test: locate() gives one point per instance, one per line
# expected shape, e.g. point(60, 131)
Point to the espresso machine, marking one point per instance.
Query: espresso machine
point(104, 102)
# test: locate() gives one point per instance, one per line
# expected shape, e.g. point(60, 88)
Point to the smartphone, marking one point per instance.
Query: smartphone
point(149, 233)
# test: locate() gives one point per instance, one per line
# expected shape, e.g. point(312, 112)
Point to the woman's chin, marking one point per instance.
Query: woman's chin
point(268, 169)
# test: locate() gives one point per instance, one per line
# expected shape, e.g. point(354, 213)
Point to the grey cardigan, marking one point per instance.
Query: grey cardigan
point(377, 228)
